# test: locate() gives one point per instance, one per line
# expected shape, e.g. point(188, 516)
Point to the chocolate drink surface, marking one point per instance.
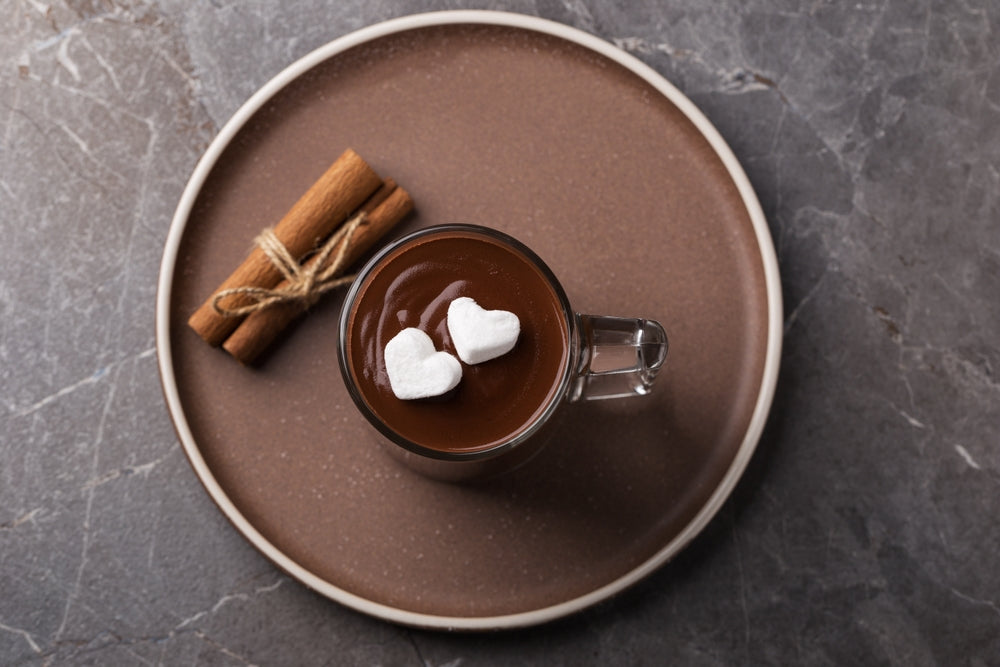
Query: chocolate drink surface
point(413, 286)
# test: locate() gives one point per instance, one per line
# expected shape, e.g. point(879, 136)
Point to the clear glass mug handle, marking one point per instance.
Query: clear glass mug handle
point(618, 357)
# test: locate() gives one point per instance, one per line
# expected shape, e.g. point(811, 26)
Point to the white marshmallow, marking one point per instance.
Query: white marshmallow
point(480, 335)
point(416, 369)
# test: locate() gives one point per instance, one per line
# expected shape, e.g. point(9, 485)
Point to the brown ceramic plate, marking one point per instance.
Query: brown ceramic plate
point(628, 193)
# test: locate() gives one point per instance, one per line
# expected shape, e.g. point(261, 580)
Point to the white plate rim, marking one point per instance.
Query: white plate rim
point(496, 18)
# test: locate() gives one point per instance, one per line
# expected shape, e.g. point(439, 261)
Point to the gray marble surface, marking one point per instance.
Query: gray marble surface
point(865, 531)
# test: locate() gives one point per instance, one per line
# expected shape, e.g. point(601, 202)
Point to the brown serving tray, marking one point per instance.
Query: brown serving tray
point(618, 183)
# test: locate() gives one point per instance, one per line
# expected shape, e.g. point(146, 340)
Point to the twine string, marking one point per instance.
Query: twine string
point(304, 282)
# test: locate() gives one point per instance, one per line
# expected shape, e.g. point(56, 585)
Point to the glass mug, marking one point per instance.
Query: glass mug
point(502, 410)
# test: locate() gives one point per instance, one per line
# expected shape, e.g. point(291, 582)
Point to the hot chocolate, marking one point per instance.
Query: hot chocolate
point(412, 286)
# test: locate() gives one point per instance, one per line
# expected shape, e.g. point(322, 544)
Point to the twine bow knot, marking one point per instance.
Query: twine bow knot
point(304, 282)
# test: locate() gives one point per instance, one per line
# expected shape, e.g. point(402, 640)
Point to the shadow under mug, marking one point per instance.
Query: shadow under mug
point(601, 357)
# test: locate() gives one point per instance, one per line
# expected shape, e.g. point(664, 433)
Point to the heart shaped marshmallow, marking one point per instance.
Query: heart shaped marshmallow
point(478, 334)
point(416, 369)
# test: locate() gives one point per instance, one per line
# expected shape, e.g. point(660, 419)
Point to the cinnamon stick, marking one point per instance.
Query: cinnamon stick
point(383, 210)
point(340, 190)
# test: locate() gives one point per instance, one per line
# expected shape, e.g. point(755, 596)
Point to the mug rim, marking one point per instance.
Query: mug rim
point(542, 417)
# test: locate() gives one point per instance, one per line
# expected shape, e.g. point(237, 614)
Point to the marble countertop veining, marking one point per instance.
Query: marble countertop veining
point(865, 530)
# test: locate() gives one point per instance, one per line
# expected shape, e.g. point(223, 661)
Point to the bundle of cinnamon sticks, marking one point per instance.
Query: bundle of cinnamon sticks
point(349, 189)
